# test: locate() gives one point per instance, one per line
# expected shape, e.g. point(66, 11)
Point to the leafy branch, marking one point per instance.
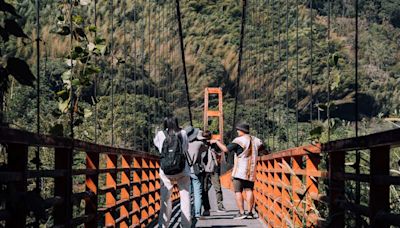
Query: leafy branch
point(10, 65)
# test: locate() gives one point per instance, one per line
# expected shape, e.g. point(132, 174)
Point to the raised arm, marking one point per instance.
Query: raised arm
point(220, 145)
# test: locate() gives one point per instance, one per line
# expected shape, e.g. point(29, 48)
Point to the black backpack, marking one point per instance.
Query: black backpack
point(173, 159)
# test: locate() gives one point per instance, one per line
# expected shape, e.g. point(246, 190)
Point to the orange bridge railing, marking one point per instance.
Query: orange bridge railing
point(286, 187)
point(94, 185)
point(86, 184)
point(315, 185)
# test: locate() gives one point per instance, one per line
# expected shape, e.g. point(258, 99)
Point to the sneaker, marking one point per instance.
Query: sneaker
point(221, 209)
point(206, 213)
point(240, 216)
point(250, 215)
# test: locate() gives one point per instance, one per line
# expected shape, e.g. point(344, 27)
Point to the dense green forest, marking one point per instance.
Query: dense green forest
point(125, 57)
point(116, 66)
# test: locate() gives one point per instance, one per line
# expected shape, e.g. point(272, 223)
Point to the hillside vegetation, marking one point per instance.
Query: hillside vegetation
point(142, 57)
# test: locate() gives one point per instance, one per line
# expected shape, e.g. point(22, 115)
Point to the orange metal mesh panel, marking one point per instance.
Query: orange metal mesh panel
point(285, 184)
point(120, 187)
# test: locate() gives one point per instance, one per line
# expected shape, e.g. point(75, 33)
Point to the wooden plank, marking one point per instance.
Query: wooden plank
point(63, 187)
point(225, 219)
point(336, 190)
point(389, 138)
point(9, 135)
point(379, 194)
point(17, 161)
point(292, 152)
point(14, 136)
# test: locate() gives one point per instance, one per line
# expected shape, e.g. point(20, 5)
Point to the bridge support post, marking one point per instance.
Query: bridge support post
point(17, 162)
point(336, 189)
point(379, 194)
point(63, 187)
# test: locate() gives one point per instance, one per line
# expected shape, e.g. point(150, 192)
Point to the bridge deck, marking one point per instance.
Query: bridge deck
point(219, 220)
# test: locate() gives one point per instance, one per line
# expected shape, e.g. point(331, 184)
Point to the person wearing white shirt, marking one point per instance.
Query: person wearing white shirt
point(182, 179)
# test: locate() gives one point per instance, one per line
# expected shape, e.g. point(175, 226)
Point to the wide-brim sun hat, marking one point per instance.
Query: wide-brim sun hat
point(191, 133)
point(244, 127)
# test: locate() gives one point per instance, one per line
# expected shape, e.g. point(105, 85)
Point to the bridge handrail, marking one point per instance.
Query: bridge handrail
point(378, 210)
point(16, 136)
point(284, 176)
point(286, 187)
point(124, 190)
point(390, 138)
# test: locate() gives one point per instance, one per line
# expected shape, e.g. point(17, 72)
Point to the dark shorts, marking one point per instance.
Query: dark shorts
point(239, 184)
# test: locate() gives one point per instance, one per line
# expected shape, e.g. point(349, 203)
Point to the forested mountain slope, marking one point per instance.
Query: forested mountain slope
point(142, 57)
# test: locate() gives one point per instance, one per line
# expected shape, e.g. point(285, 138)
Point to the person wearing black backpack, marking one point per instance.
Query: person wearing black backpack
point(172, 143)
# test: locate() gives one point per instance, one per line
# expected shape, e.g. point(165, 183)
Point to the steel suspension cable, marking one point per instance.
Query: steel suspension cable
point(37, 151)
point(178, 12)
point(255, 68)
point(311, 64)
point(279, 110)
point(68, 206)
point(72, 97)
point(259, 65)
point(134, 75)
point(112, 71)
point(287, 75)
point(239, 69)
point(156, 62)
point(264, 19)
point(142, 66)
point(297, 72)
point(95, 80)
point(172, 55)
point(358, 155)
point(149, 75)
point(329, 72)
point(251, 56)
point(124, 5)
point(273, 72)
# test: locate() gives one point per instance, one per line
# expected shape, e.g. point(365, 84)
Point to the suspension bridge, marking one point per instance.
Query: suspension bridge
point(108, 176)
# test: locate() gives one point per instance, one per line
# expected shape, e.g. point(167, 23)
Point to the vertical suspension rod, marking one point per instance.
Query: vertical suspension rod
point(178, 14)
point(239, 69)
point(112, 72)
point(358, 156)
point(297, 72)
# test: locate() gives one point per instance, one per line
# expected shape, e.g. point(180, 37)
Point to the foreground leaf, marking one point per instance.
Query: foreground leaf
point(63, 105)
point(20, 70)
point(13, 28)
point(5, 7)
point(57, 130)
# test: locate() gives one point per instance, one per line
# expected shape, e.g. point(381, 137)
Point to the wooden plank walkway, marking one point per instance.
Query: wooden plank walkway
point(218, 220)
point(225, 219)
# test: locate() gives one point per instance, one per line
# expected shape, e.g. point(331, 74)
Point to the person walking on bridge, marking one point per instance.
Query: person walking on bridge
point(246, 149)
point(197, 146)
point(172, 143)
point(211, 175)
